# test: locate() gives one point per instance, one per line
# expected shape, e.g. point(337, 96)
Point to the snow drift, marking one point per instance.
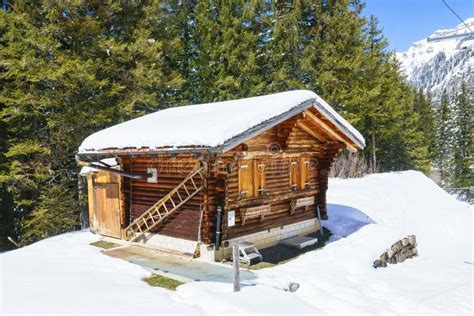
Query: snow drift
point(64, 274)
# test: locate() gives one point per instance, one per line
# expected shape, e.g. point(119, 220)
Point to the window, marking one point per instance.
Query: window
point(251, 178)
point(299, 173)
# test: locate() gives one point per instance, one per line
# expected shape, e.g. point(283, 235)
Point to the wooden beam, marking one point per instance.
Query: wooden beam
point(308, 130)
point(330, 131)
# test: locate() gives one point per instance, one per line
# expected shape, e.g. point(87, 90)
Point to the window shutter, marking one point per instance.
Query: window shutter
point(294, 174)
point(246, 187)
point(304, 179)
point(259, 177)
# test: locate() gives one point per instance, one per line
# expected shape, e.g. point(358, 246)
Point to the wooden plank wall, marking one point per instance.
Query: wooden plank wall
point(139, 195)
point(276, 148)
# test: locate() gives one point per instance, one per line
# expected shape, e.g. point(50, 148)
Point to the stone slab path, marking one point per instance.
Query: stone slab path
point(184, 269)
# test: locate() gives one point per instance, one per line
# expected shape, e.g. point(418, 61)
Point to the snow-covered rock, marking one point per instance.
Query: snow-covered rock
point(439, 62)
point(65, 275)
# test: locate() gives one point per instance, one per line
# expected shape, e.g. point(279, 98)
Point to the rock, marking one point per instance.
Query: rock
point(400, 251)
point(397, 246)
point(390, 253)
point(293, 287)
point(405, 241)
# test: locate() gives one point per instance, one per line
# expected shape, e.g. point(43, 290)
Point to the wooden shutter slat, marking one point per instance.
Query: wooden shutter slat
point(259, 177)
point(304, 174)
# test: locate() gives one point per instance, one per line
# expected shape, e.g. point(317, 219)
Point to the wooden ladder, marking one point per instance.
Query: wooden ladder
point(159, 211)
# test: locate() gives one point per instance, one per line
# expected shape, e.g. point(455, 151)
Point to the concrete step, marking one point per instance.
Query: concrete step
point(299, 242)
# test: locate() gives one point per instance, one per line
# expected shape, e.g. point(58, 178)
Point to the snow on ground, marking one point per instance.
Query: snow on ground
point(65, 275)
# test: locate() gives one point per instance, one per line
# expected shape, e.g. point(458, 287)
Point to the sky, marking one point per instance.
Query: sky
point(408, 21)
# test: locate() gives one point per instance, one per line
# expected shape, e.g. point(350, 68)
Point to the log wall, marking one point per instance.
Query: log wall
point(139, 195)
point(275, 148)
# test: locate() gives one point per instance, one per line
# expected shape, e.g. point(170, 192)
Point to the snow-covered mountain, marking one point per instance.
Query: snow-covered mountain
point(439, 62)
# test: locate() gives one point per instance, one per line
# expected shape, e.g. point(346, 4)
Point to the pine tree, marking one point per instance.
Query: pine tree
point(369, 103)
point(70, 69)
point(444, 140)
point(225, 43)
point(282, 46)
point(174, 25)
point(333, 46)
point(463, 133)
point(424, 108)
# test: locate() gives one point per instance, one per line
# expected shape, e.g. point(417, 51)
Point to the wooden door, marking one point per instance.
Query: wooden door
point(107, 209)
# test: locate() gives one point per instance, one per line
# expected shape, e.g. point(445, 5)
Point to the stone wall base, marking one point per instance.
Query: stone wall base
point(173, 244)
point(262, 239)
point(267, 238)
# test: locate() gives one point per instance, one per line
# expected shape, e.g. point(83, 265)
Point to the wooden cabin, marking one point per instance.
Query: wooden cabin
point(199, 178)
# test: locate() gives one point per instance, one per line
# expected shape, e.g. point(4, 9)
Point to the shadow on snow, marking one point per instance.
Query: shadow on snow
point(345, 220)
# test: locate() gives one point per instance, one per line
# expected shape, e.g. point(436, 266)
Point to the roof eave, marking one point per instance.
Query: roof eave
point(339, 125)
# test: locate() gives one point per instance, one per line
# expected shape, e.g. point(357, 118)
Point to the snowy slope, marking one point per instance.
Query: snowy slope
point(65, 275)
point(440, 61)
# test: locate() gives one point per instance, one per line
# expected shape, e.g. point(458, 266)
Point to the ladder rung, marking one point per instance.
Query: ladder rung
point(194, 183)
point(166, 209)
point(172, 202)
point(185, 189)
point(177, 192)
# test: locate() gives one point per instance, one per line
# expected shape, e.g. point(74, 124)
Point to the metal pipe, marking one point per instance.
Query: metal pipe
point(320, 223)
point(218, 227)
point(119, 172)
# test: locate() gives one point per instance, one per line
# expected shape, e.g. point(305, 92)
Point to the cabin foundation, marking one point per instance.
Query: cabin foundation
point(268, 238)
point(170, 244)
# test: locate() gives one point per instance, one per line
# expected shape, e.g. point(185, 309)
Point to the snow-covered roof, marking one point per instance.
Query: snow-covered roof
point(213, 126)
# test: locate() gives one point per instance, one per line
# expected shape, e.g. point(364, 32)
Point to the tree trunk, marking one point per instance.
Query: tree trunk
point(83, 210)
point(374, 156)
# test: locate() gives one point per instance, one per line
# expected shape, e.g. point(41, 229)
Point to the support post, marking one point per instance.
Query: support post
point(236, 267)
